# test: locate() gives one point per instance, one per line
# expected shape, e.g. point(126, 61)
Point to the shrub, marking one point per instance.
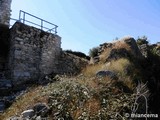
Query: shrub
point(142, 40)
point(72, 99)
point(79, 54)
point(93, 52)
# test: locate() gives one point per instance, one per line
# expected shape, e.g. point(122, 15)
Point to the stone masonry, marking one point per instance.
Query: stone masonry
point(5, 12)
point(33, 53)
point(70, 64)
point(27, 54)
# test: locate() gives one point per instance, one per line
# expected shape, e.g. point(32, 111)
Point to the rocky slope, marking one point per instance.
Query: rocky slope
point(121, 76)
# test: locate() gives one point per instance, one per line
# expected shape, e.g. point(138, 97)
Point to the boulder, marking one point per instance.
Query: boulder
point(41, 109)
point(107, 73)
point(133, 46)
point(27, 113)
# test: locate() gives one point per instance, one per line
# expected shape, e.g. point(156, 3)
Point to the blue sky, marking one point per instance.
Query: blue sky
point(84, 24)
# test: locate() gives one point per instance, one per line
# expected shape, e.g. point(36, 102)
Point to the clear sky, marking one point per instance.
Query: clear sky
point(84, 24)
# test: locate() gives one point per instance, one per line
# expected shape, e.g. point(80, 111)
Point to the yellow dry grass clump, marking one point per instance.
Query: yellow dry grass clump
point(91, 70)
point(118, 66)
point(120, 45)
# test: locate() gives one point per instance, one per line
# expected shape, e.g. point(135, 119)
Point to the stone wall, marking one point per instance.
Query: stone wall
point(33, 53)
point(70, 64)
point(5, 11)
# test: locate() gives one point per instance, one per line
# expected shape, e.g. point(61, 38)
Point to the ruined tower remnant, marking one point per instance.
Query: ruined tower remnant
point(5, 9)
point(33, 53)
point(28, 53)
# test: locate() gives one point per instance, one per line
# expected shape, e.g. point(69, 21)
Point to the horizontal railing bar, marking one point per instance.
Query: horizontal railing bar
point(40, 26)
point(38, 18)
point(47, 28)
point(32, 23)
point(14, 19)
point(52, 29)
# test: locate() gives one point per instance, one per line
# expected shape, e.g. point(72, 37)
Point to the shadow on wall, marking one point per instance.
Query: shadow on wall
point(4, 40)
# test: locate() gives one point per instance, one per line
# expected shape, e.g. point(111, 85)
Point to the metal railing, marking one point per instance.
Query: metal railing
point(23, 18)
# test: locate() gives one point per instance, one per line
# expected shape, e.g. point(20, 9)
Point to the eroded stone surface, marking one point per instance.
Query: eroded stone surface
point(5, 11)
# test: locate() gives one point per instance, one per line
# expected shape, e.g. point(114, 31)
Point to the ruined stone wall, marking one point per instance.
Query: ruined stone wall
point(5, 10)
point(33, 53)
point(70, 64)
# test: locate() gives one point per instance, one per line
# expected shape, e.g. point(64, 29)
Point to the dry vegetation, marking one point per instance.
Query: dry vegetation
point(118, 66)
point(87, 97)
point(120, 45)
point(32, 96)
point(78, 98)
point(104, 55)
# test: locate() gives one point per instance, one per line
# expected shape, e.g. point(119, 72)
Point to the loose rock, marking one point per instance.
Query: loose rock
point(27, 113)
point(106, 73)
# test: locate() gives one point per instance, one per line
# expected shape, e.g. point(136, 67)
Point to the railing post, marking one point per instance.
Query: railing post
point(20, 15)
point(41, 24)
point(23, 17)
point(56, 29)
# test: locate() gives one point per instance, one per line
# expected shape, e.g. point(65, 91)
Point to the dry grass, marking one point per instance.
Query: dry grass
point(92, 82)
point(99, 98)
point(92, 106)
point(119, 65)
point(104, 55)
point(120, 45)
point(129, 83)
point(33, 96)
point(91, 70)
